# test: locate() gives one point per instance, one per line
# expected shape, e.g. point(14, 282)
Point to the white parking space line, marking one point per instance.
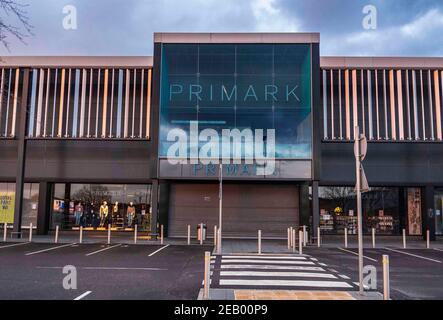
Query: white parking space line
point(156, 251)
point(14, 245)
point(49, 249)
point(285, 283)
point(101, 250)
point(264, 257)
point(108, 268)
point(356, 254)
point(269, 267)
point(438, 249)
point(267, 261)
point(414, 255)
point(276, 274)
point(83, 295)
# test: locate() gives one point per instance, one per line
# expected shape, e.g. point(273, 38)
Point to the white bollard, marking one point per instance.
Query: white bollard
point(207, 280)
point(80, 239)
point(373, 238)
point(201, 234)
point(291, 230)
point(215, 236)
point(135, 233)
point(56, 233)
point(305, 236)
point(293, 240)
point(300, 242)
point(189, 234)
point(30, 232)
point(161, 234)
point(318, 237)
point(428, 239)
point(109, 234)
point(346, 237)
point(259, 241)
point(404, 238)
point(5, 231)
point(386, 285)
point(289, 238)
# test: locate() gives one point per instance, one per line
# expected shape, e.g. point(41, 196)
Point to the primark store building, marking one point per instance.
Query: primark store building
point(125, 141)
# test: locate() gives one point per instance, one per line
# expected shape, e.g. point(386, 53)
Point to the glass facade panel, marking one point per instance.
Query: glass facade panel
point(95, 206)
point(438, 203)
point(239, 86)
point(30, 203)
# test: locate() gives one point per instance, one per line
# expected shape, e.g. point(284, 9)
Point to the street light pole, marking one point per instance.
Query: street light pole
point(360, 143)
point(220, 206)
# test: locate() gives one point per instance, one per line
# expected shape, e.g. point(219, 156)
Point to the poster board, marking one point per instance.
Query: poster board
point(7, 203)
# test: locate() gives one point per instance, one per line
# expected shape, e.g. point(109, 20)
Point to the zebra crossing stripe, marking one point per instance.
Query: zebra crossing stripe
point(284, 283)
point(276, 274)
point(269, 267)
point(265, 257)
point(267, 261)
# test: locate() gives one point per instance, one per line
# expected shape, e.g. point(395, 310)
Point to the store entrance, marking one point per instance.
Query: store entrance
point(98, 206)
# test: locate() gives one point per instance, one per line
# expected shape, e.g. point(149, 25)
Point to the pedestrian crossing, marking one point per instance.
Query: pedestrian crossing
point(297, 272)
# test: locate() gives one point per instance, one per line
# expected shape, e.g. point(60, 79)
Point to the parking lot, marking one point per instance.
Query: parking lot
point(119, 271)
point(175, 271)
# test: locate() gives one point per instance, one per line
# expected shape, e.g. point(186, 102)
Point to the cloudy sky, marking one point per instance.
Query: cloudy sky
point(125, 27)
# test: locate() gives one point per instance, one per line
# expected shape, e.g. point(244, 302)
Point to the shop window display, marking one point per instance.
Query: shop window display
point(95, 207)
point(438, 203)
point(338, 210)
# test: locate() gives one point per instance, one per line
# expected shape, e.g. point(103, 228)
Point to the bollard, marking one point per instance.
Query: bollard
point(161, 234)
point(318, 237)
point(135, 234)
point(189, 234)
point(56, 233)
point(80, 240)
point(207, 275)
point(428, 239)
point(386, 285)
point(259, 241)
point(5, 231)
point(30, 232)
point(293, 240)
point(404, 238)
point(373, 238)
point(215, 236)
point(346, 237)
point(304, 236)
point(300, 242)
point(291, 231)
point(201, 234)
point(109, 234)
point(307, 238)
point(289, 238)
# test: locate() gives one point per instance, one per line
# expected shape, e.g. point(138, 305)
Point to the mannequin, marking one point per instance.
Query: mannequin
point(78, 213)
point(104, 210)
point(130, 213)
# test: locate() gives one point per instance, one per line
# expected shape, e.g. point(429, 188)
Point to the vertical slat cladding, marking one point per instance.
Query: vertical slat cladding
point(400, 105)
point(126, 115)
point(371, 132)
point(325, 106)
point(148, 104)
point(68, 104)
point(415, 105)
point(15, 102)
point(392, 100)
point(437, 104)
point(354, 99)
point(91, 77)
point(431, 107)
point(340, 105)
point(377, 105)
point(97, 110)
point(347, 106)
point(62, 98)
point(408, 98)
point(8, 101)
point(332, 105)
point(2, 83)
point(112, 105)
point(75, 115)
point(82, 104)
point(422, 105)
point(105, 104)
point(119, 103)
point(134, 86)
point(48, 81)
point(385, 89)
point(31, 120)
point(54, 106)
point(362, 92)
point(142, 86)
point(40, 103)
